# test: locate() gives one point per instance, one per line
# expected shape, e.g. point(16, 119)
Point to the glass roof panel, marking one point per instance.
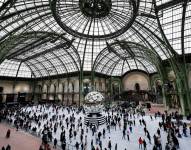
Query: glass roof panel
point(24, 71)
point(117, 60)
point(90, 32)
point(171, 22)
point(187, 34)
point(10, 68)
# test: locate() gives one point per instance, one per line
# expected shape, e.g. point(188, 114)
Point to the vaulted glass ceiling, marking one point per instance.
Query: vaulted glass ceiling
point(49, 37)
point(121, 56)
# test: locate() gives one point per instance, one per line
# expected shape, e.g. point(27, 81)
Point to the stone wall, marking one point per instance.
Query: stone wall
point(10, 87)
point(132, 78)
point(67, 89)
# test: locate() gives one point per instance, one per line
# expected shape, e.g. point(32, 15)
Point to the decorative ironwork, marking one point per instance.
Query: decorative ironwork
point(94, 18)
point(95, 8)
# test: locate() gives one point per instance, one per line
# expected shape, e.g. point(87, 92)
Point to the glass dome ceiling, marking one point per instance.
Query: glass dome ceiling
point(121, 56)
point(41, 38)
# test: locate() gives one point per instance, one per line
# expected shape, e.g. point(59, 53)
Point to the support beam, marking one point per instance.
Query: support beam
point(28, 47)
point(21, 11)
point(23, 25)
point(127, 48)
point(185, 81)
point(148, 15)
point(14, 83)
point(62, 45)
point(169, 4)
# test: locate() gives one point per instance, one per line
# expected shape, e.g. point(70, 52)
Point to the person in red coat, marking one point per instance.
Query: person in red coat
point(140, 143)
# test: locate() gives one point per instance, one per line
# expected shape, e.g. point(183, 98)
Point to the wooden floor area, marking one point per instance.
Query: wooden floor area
point(18, 140)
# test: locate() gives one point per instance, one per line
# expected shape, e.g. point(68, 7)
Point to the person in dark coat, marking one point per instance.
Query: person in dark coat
point(77, 146)
point(41, 147)
point(149, 137)
point(55, 143)
point(8, 147)
point(3, 148)
point(109, 144)
point(144, 145)
point(63, 145)
point(8, 133)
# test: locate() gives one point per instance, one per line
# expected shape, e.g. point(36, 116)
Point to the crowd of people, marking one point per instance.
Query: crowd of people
point(64, 128)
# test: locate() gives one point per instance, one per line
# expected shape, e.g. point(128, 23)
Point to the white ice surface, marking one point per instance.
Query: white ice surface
point(115, 136)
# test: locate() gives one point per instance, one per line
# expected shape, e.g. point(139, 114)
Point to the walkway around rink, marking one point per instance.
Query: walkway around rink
point(19, 140)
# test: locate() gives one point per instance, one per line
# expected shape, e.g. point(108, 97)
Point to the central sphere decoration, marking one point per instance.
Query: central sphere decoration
point(93, 107)
point(95, 8)
point(94, 19)
point(94, 97)
point(93, 102)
